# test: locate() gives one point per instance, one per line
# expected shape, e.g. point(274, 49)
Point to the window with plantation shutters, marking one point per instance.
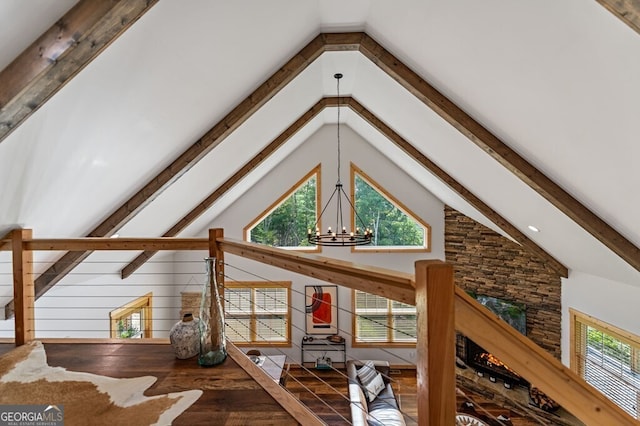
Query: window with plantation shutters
point(378, 320)
point(258, 312)
point(608, 358)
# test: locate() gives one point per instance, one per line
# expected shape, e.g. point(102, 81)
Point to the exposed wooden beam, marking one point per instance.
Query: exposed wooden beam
point(498, 150)
point(5, 241)
point(628, 11)
point(60, 53)
point(229, 183)
point(456, 186)
point(52, 275)
point(415, 85)
point(184, 162)
point(389, 133)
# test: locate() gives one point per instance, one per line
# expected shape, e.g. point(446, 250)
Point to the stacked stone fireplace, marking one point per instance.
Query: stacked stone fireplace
point(486, 263)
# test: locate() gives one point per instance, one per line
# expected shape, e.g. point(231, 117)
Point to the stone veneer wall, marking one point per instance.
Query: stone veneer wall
point(489, 264)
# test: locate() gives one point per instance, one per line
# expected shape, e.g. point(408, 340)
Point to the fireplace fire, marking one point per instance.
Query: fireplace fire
point(486, 363)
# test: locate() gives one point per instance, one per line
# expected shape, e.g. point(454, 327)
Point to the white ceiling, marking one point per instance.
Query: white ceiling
point(556, 81)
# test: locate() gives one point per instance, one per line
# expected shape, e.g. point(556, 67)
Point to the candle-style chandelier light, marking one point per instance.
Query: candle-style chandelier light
point(340, 236)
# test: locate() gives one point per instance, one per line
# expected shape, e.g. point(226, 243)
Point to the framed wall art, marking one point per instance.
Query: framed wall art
point(321, 309)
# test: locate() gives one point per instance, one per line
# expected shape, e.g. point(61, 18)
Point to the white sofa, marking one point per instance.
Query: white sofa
point(383, 410)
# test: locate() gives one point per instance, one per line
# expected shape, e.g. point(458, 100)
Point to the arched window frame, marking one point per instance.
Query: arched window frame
point(425, 248)
point(142, 306)
point(314, 172)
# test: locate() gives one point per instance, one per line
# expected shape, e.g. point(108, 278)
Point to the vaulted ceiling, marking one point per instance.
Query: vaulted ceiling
point(516, 114)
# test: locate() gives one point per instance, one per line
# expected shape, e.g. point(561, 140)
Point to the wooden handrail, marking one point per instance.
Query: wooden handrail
point(471, 318)
point(383, 282)
point(535, 364)
point(101, 243)
point(291, 404)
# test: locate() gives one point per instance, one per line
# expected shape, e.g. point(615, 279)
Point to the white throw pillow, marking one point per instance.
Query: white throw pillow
point(374, 387)
point(367, 372)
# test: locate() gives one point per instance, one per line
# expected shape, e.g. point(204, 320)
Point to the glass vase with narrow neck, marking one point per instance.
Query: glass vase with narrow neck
point(213, 345)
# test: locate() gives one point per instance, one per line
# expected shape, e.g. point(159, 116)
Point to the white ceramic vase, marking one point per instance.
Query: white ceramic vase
point(185, 337)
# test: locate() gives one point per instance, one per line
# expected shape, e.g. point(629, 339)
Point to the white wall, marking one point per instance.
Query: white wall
point(321, 148)
point(79, 305)
point(610, 301)
point(168, 275)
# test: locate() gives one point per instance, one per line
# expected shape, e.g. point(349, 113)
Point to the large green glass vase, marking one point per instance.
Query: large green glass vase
point(213, 344)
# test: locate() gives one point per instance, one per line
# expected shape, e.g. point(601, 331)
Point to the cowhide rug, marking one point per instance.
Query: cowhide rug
point(25, 378)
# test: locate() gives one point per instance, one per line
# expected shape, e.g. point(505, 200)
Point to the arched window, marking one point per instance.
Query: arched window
point(394, 226)
point(284, 224)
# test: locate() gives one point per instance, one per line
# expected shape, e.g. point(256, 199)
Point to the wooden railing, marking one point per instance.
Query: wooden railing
point(442, 308)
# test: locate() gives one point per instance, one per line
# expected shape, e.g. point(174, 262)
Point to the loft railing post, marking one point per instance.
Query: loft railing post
point(216, 252)
point(435, 367)
point(23, 287)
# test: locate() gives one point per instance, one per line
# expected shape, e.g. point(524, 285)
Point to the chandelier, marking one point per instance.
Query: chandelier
point(339, 236)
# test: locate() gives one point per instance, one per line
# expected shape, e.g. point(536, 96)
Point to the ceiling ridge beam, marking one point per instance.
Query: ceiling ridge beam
point(501, 152)
point(628, 11)
point(458, 188)
point(60, 53)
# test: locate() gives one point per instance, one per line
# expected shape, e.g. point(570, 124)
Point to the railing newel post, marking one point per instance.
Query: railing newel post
point(435, 347)
point(23, 287)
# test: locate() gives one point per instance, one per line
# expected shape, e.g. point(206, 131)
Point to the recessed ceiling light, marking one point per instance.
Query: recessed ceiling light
point(533, 228)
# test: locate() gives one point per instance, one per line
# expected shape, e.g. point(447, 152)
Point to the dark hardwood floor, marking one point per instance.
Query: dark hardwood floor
point(232, 397)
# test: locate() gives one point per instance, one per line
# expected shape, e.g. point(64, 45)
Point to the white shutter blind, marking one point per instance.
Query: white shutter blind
point(257, 313)
point(272, 328)
point(372, 328)
point(272, 300)
point(237, 329)
point(379, 319)
point(610, 364)
point(403, 322)
point(238, 300)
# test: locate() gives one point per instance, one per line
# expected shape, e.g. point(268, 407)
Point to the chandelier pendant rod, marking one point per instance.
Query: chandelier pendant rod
point(339, 236)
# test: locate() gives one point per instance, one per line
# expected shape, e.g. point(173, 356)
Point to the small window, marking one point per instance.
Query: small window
point(285, 223)
point(378, 320)
point(395, 227)
point(133, 320)
point(258, 312)
point(608, 358)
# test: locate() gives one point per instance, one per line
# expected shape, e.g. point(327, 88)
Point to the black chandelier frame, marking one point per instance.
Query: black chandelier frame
point(340, 236)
